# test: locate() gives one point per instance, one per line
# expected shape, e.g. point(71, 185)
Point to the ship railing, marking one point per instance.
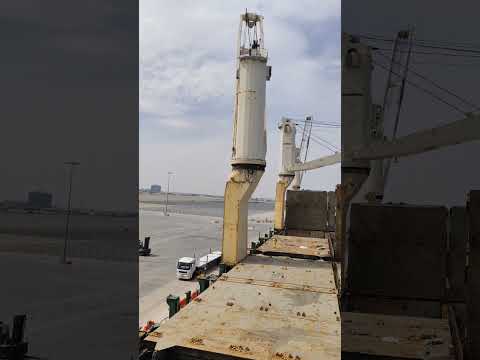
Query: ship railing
point(253, 52)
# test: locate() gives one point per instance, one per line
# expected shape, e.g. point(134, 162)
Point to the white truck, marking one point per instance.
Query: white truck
point(187, 267)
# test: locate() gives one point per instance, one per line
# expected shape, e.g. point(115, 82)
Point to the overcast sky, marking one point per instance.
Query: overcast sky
point(187, 72)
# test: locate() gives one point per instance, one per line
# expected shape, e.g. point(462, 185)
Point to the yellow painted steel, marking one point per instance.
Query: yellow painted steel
point(280, 191)
point(240, 187)
point(351, 184)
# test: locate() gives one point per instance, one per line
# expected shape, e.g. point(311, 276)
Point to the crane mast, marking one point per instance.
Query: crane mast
point(289, 156)
point(249, 144)
point(304, 146)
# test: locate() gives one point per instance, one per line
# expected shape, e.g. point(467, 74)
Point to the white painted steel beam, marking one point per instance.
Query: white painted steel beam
point(457, 132)
point(318, 163)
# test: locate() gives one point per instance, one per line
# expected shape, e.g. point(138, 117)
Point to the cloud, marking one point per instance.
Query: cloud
point(187, 65)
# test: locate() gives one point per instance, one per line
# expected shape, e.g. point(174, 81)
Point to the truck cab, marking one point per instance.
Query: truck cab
point(186, 267)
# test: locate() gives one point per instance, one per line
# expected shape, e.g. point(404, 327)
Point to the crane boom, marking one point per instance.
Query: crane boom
point(457, 132)
point(317, 163)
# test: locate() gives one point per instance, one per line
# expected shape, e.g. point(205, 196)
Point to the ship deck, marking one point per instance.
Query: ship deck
point(397, 337)
point(266, 307)
point(297, 247)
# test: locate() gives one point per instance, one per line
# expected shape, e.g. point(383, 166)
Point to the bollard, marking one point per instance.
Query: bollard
point(204, 283)
point(253, 248)
point(173, 305)
point(146, 243)
point(223, 268)
point(188, 296)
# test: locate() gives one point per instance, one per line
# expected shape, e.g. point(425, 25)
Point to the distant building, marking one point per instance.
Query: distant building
point(155, 189)
point(13, 204)
point(39, 200)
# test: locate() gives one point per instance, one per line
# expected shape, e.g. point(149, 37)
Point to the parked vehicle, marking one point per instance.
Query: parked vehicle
point(187, 267)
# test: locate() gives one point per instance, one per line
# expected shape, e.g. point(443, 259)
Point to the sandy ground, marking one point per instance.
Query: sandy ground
point(176, 198)
point(154, 306)
point(195, 204)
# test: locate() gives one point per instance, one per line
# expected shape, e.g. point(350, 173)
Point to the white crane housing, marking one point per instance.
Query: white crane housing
point(249, 136)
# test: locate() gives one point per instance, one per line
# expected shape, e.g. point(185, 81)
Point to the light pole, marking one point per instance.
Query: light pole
point(69, 209)
point(168, 190)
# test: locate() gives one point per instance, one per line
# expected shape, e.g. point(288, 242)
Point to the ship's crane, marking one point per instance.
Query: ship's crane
point(457, 132)
point(363, 145)
point(249, 136)
point(292, 169)
point(289, 153)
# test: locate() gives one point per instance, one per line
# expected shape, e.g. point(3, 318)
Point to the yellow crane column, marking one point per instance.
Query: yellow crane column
point(240, 187)
point(281, 189)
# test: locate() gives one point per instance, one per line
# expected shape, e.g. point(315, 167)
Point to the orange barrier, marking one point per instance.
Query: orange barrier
point(183, 302)
point(148, 325)
point(193, 295)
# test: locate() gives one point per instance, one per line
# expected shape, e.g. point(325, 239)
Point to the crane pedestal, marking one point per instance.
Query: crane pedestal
point(280, 191)
point(241, 184)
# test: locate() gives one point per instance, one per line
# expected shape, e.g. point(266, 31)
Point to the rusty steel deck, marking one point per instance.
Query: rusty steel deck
point(396, 336)
point(296, 246)
point(264, 308)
